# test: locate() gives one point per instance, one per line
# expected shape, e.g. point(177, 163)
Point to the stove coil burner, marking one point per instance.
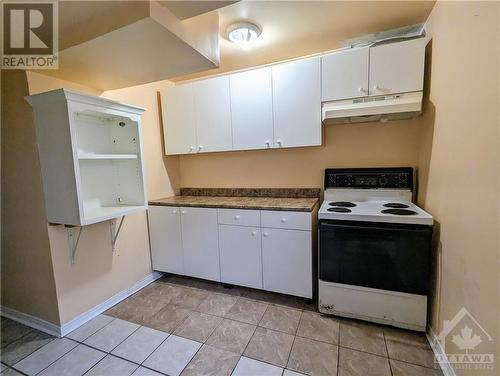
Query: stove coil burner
point(339, 210)
point(343, 204)
point(399, 211)
point(396, 205)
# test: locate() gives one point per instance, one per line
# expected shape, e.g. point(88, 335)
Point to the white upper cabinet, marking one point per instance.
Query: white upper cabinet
point(213, 114)
point(297, 103)
point(252, 109)
point(177, 103)
point(90, 151)
point(345, 74)
point(397, 67)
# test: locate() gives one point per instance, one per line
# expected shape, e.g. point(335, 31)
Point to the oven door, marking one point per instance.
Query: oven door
point(385, 256)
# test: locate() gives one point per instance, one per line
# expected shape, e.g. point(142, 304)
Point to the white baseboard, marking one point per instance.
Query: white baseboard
point(439, 353)
point(62, 330)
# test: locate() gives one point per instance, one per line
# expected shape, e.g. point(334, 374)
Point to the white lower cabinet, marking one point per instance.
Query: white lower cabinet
point(240, 256)
point(287, 261)
point(231, 246)
point(200, 243)
point(166, 240)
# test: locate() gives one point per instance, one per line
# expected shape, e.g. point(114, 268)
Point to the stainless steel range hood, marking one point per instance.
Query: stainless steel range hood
point(380, 108)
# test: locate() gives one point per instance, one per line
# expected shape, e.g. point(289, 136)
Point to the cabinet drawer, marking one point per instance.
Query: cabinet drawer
point(239, 217)
point(286, 219)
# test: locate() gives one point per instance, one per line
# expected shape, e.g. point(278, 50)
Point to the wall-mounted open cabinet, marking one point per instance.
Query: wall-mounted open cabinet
point(91, 158)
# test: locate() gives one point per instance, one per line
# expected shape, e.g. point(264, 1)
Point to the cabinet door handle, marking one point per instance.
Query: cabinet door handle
point(254, 233)
point(283, 220)
point(175, 211)
point(278, 142)
point(191, 148)
point(236, 217)
point(268, 143)
point(266, 234)
point(200, 147)
point(362, 90)
point(183, 212)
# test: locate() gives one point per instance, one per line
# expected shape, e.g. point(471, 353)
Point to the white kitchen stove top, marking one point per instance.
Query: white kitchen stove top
point(369, 206)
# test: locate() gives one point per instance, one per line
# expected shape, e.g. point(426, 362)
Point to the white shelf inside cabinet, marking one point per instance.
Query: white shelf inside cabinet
point(91, 157)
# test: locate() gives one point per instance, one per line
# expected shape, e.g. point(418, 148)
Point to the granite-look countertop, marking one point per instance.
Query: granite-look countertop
point(305, 204)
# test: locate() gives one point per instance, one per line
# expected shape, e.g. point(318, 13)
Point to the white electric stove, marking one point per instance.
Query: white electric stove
point(374, 247)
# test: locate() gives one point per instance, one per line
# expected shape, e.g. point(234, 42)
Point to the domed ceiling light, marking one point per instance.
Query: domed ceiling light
point(243, 33)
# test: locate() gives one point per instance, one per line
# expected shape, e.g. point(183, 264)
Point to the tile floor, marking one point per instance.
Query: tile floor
point(183, 326)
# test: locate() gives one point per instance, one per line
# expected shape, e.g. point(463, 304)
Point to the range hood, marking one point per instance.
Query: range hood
point(379, 108)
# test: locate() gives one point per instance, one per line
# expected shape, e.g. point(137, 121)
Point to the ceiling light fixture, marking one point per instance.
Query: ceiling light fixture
point(243, 33)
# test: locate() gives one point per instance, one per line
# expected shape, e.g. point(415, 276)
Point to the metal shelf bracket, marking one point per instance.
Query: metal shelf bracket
point(72, 242)
point(115, 232)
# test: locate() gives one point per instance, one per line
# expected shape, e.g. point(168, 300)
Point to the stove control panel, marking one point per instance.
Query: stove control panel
point(394, 177)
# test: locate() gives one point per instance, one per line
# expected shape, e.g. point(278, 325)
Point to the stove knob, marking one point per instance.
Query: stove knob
point(383, 181)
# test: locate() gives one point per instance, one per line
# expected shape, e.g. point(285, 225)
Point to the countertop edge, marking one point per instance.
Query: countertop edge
point(235, 206)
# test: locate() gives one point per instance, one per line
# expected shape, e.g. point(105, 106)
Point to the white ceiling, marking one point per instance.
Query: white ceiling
point(297, 28)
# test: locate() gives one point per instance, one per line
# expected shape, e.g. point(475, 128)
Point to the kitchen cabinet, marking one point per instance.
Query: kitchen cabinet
point(287, 261)
point(297, 103)
point(397, 67)
point(213, 114)
point(240, 255)
point(166, 239)
point(177, 103)
point(200, 243)
point(345, 74)
point(252, 109)
point(91, 158)
point(231, 246)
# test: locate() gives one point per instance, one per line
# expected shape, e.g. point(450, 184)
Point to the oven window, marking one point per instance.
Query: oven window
point(383, 256)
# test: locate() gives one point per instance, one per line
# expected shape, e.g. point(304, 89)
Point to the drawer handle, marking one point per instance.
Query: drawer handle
point(236, 217)
point(266, 234)
point(254, 233)
point(183, 212)
point(283, 220)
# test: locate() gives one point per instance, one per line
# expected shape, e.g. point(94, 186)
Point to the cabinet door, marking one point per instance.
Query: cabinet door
point(287, 261)
point(297, 103)
point(240, 255)
point(177, 106)
point(345, 74)
point(397, 67)
point(165, 237)
point(200, 243)
point(213, 114)
point(252, 109)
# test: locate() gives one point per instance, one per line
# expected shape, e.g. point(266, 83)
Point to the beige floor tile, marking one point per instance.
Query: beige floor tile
point(168, 318)
point(190, 298)
point(357, 363)
point(112, 366)
point(75, 363)
point(12, 330)
point(172, 355)
point(217, 304)
point(319, 327)
point(136, 309)
point(313, 357)
point(198, 326)
point(211, 361)
point(406, 369)
point(270, 346)
point(252, 367)
point(280, 318)
point(24, 346)
point(45, 356)
point(231, 336)
point(140, 344)
point(111, 335)
point(248, 311)
point(90, 327)
point(364, 337)
point(409, 347)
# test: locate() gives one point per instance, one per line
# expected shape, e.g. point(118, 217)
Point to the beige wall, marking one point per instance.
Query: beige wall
point(460, 163)
point(27, 274)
